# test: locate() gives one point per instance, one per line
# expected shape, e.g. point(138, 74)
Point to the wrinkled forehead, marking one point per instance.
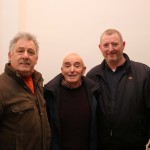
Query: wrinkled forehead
point(25, 41)
point(112, 36)
point(72, 58)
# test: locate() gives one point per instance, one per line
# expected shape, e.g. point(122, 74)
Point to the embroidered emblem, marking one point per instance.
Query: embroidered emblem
point(130, 77)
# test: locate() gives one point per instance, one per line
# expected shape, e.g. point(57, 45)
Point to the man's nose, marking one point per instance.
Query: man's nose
point(25, 54)
point(72, 68)
point(110, 47)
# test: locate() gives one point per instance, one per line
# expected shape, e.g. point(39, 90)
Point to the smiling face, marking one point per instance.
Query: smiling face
point(73, 69)
point(23, 57)
point(112, 46)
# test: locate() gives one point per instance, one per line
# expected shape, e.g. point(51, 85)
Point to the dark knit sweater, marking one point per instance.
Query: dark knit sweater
point(74, 113)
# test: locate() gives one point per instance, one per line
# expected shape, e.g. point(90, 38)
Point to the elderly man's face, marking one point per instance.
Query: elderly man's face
point(73, 69)
point(23, 57)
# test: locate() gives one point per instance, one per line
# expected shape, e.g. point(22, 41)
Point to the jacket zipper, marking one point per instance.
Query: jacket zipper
point(111, 133)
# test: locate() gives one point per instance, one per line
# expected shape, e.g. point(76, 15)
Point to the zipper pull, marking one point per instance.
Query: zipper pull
point(111, 132)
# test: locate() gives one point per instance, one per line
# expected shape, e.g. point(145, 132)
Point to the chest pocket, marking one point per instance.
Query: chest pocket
point(22, 108)
point(21, 118)
point(24, 115)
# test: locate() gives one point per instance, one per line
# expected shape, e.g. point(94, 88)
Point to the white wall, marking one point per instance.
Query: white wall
point(75, 25)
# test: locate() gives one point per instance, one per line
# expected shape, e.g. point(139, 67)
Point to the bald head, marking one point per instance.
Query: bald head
point(73, 69)
point(73, 57)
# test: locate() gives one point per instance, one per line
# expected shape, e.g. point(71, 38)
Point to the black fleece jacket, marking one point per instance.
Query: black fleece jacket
point(124, 121)
point(51, 94)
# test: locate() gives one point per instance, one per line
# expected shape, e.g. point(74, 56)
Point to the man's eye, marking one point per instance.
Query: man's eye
point(105, 45)
point(20, 51)
point(31, 52)
point(77, 66)
point(114, 44)
point(67, 66)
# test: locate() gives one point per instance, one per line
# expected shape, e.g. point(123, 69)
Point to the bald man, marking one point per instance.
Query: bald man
point(71, 100)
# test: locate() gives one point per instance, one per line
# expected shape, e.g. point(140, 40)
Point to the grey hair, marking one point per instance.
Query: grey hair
point(73, 53)
point(24, 35)
point(110, 32)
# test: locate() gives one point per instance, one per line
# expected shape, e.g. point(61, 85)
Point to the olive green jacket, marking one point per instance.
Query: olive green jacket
point(23, 120)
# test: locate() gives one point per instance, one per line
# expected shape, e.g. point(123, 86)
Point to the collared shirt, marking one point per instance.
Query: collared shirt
point(113, 77)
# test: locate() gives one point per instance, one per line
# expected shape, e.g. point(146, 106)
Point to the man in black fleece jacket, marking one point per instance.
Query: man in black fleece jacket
point(124, 109)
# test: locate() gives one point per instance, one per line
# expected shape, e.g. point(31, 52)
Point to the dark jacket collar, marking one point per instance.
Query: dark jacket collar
point(53, 84)
point(37, 76)
point(102, 66)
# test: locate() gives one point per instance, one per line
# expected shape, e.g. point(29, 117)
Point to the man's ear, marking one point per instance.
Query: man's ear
point(124, 43)
point(84, 69)
point(61, 70)
point(100, 47)
point(36, 59)
point(9, 56)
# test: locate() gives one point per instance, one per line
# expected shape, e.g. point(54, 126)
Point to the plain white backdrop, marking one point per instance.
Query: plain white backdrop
point(62, 26)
